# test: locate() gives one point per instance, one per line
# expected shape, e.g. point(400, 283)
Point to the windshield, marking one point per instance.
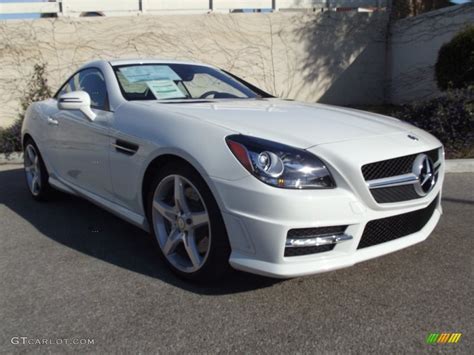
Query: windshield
point(178, 82)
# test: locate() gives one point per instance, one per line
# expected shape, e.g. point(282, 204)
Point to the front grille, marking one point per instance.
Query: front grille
point(305, 233)
point(390, 228)
point(395, 194)
point(394, 167)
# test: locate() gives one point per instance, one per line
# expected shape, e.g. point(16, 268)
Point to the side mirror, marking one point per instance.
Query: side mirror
point(77, 100)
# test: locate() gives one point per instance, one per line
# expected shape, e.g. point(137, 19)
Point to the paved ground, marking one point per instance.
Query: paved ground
point(69, 270)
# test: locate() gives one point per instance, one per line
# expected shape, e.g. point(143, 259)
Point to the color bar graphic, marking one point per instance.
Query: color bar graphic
point(443, 338)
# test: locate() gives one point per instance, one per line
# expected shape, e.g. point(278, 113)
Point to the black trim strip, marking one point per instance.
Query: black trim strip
point(125, 147)
point(71, 100)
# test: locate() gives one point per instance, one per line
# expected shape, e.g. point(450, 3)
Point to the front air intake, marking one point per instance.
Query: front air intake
point(390, 228)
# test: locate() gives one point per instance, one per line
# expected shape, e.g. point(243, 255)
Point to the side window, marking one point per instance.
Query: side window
point(92, 81)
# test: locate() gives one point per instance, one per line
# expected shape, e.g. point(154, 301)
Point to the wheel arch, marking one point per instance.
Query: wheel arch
point(26, 136)
point(166, 158)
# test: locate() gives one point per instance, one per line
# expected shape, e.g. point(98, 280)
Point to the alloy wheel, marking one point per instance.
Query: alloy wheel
point(181, 222)
point(33, 169)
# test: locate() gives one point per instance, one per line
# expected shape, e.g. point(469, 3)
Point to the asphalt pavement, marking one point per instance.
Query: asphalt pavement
point(71, 273)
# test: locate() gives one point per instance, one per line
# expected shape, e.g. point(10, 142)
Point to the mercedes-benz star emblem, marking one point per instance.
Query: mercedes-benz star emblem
point(424, 170)
point(411, 136)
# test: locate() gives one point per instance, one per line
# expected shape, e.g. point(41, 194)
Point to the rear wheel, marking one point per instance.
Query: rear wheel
point(187, 224)
point(35, 172)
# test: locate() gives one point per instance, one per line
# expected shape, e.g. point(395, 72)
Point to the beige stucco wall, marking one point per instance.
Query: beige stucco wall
point(414, 45)
point(332, 57)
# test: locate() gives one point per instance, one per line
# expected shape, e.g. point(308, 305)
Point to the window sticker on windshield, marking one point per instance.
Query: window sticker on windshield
point(138, 73)
point(165, 89)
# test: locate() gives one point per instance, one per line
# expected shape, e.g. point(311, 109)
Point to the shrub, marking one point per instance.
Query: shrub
point(450, 118)
point(404, 8)
point(10, 138)
point(38, 89)
point(455, 66)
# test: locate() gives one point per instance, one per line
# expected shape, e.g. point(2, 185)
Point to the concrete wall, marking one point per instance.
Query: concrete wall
point(332, 57)
point(337, 58)
point(413, 51)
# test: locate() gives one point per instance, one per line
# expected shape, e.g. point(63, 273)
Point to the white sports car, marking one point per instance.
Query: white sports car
point(223, 174)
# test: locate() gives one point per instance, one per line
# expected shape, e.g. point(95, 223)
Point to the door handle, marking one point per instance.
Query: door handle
point(52, 121)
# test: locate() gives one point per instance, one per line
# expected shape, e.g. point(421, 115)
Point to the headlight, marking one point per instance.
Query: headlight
point(280, 165)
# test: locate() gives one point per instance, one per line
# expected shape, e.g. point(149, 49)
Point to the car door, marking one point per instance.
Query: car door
point(80, 147)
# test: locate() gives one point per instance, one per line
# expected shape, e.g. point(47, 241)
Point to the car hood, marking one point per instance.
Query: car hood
point(299, 124)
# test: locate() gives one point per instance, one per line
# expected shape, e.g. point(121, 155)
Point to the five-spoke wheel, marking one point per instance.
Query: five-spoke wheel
point(35, 171)
point(181, 219)
point(187, 224)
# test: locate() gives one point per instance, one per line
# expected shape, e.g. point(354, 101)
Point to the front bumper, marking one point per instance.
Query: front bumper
point(258, 218)
point(339, 258)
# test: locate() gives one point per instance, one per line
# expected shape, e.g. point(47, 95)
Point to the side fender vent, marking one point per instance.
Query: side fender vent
point(125, 147)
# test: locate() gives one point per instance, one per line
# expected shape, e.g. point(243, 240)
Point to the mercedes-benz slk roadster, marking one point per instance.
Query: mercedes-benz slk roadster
point(224, 175)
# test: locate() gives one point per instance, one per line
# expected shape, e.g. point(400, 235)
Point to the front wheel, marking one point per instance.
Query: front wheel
point(187, 224)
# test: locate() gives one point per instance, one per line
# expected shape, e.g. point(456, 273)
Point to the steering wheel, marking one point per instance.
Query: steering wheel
point(208, 93)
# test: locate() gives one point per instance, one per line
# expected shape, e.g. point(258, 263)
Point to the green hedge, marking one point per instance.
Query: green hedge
point(10, 138)
point(455, 66)
point(38, 89)
point(450, 118)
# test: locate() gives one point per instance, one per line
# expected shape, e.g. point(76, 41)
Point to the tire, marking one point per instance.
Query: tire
point(35, 172)
point(191, 248)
